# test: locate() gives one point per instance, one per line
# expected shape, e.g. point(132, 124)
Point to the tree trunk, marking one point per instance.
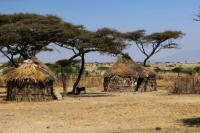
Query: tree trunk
point(14, 63)
point(145, 61)
point(64, 80)
point(80, 73)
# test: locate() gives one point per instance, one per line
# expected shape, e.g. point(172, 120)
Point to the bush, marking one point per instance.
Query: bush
point(177, 69)
point(186, 70)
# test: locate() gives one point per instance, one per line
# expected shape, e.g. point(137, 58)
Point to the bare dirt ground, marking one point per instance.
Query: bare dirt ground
point(150, 112)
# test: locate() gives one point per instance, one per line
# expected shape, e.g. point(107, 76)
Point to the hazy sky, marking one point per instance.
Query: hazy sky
point(123, 15)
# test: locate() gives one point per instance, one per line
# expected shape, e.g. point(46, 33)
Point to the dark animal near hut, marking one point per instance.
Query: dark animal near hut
point(80, 89)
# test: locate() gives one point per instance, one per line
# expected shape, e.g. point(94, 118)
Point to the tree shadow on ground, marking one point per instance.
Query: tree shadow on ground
point(191, 122)
point(93, 94)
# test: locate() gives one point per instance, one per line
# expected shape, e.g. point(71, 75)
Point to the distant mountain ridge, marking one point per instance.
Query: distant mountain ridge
point(191, 56)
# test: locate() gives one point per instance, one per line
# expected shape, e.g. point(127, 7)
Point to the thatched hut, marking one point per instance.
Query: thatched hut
point(126, 75)
point(29, 82)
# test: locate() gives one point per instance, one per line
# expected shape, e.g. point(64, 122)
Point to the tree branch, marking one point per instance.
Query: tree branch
point(141, 48)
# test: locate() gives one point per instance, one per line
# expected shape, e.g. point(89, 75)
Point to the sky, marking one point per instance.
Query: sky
point(123, 15)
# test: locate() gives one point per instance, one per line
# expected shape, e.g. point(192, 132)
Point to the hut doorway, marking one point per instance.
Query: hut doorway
point(139, 83)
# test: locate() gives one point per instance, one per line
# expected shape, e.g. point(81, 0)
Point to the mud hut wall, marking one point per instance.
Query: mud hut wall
point(29, 91)
point(117, 82)
point(148, 84)
point(127, 83)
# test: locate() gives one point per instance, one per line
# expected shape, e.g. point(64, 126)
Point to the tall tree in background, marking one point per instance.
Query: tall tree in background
point(151, 44)
point(25, 35)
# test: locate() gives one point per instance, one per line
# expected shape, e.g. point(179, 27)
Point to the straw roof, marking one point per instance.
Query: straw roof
point(125, 66)
point(29, 71)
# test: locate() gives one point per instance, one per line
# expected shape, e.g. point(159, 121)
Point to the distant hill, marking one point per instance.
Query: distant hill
point(191, 56)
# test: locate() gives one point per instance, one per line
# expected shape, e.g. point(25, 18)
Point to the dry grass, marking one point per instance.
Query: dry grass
point(165, 80)
point(105, 113)
point(99, 112)
point(28, 71)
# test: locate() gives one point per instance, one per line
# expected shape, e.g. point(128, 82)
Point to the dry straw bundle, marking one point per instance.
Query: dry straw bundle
point(126, 66)
point(28, 71)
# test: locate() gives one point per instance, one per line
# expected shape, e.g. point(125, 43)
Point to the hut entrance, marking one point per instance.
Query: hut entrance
point(139, 83)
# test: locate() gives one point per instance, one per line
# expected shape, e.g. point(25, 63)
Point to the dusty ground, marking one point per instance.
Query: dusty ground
point(151, 112)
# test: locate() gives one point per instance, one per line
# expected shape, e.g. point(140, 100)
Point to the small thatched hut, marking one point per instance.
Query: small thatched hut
point(126, 75)
point(29, 82)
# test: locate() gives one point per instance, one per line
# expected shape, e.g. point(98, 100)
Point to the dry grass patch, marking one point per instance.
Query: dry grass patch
point(118, 112)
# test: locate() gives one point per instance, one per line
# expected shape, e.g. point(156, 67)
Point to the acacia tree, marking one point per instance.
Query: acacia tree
point(156, 41)
point(104, 40)
point(25, 35)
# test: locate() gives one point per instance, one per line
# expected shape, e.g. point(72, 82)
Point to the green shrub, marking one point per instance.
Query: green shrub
point(186, 70)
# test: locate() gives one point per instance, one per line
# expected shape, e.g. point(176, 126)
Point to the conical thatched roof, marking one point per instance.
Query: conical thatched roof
point(29, 71)
point(125, 66)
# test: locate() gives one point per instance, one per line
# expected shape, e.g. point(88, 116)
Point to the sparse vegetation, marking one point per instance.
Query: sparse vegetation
point(122, 97)
point(187, 70)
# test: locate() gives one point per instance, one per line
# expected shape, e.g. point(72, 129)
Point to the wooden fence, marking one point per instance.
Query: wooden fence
point(86, 80)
